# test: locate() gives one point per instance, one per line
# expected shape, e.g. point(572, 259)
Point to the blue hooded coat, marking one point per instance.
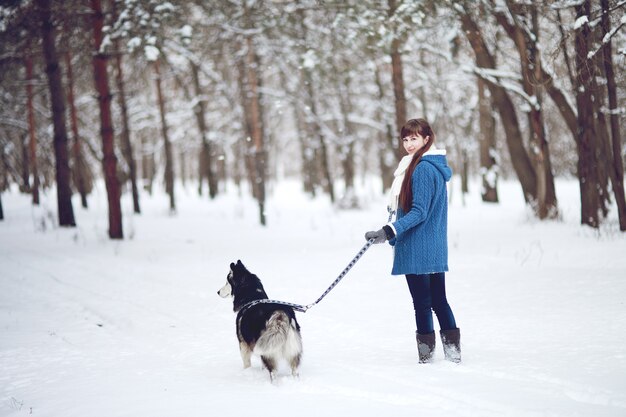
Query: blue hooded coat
point(421, 241)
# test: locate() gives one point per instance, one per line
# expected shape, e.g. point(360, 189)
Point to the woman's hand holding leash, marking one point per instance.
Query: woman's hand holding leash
point(381, 235)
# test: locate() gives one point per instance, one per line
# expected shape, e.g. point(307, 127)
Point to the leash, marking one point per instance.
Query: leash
point(302, 308)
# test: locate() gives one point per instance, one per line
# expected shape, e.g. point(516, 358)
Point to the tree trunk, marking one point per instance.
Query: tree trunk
point(501, 100)
point(307, 153)
point(126, 142)
point(487, 137)
point(183, 168)
point(127, 146)
point(397, 77)
point(386, 145)
point(32, 143)
point(346, 141)
point(603, 139)
point(347, 164)
point(325, 166)
point(616, 169)
point(245, 156)
point(555, 93)
point(526, 44)
point(25, 171)
point(464, 172)
point(546, 191)
point(587, 161)
point(79, 163)
point(207, 165)
point(109, 160)
point(148, 170)
point(256, 119)
point(169, 161)
point(317, 146)
point(321, 150)
point(346, 152)
point(64, 191)
point(4, 175)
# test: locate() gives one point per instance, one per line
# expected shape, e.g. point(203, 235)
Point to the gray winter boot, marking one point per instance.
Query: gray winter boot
point(425, 346)
point(451, 340)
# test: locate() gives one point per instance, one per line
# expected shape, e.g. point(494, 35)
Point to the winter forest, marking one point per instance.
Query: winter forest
point(202, 94)
point(145, 145)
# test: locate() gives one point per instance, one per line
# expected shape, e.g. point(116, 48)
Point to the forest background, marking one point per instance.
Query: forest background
point(211, 93)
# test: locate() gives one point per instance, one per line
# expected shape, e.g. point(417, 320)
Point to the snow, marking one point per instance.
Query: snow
point(133, 44)
point(309, 60)
point(94, 327)
point(152, 53)
point(580, 22)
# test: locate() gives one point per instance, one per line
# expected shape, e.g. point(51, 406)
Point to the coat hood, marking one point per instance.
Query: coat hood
point(438, 159)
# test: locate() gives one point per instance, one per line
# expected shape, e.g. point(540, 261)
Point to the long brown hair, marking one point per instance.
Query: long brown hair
point(412, 128)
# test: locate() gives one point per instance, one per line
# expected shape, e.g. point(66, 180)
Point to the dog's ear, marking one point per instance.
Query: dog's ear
point(240, 266)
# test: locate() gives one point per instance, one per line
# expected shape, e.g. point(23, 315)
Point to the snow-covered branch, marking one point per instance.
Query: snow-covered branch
point(502, 79)
point(607, 38)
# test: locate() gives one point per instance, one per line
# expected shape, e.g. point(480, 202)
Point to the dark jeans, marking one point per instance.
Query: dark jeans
point(429, 294)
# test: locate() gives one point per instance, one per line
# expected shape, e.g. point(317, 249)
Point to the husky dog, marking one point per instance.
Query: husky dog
point(269, 330)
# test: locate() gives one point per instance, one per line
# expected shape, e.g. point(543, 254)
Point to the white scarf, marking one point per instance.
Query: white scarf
point(396, 186)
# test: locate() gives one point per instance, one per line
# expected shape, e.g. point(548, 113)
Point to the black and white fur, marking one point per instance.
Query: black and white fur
point(268, 330)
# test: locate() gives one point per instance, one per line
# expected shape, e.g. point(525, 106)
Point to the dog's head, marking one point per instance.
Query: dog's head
point(227, 289)
point(235, 278)
point(242, 285)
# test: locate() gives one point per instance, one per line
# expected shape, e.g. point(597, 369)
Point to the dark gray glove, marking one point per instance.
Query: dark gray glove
point(379, 236)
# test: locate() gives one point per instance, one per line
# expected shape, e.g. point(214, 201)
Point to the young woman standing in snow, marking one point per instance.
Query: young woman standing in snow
point(419, 236)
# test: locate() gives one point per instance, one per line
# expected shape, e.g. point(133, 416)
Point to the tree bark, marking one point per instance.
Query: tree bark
point(207, 165)
point(109, 160)
point(307, 153)
point(127, 147)
point(487, 137)
point(398, 84)
point(32, 143)
point(4, 175)
point(25, 171)
point(568, 113)
point(79, 163)
point(148, 170)
point(587, 161)
point(169, 160)
point(531, 71)
point(616, 169)
point(519, 158)
point(256, 119)
point(347, 139)
point(245, 155)
point(603, 139)
point(319, 147)
point(386, 145)
point(64, 191)
point(546, 192)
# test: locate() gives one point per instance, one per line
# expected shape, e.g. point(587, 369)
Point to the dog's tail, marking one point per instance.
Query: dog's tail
point(280, 336)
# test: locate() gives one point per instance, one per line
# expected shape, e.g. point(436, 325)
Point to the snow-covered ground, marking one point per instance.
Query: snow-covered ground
point(100, 328)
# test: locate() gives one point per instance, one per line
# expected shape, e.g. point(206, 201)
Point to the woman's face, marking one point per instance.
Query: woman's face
point(414, 143)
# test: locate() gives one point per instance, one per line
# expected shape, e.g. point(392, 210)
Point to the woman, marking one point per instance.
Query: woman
point(419, 236)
